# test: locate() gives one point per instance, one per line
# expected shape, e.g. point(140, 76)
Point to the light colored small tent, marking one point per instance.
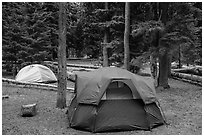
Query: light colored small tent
point(36, 73)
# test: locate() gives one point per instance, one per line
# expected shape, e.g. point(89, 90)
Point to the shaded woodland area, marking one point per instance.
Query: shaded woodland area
point(115, 33)
point(30, 31)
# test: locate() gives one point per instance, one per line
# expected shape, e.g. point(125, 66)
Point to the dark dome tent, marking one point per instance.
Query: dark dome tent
point(114, 99)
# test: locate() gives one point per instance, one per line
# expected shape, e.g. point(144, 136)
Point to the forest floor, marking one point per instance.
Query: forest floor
point(181, 104)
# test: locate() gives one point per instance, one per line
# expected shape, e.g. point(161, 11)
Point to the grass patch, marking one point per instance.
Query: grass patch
point(182, 105)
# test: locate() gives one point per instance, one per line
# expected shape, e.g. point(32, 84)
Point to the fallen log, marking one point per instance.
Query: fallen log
point(83, 66)
point(71, 67)
point(78, 69)
point(188, 77)
point(192, 70)
point(35, 85)
point(189, 81)
point(80, 66)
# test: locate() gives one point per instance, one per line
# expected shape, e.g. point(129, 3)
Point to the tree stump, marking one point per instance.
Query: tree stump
point(28, 110)
point(5, 96)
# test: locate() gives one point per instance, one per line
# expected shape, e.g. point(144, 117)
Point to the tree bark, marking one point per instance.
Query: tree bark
point(163, 58)
point(179, 60)
point(163, 70)
point(14, 70)
point(105, 51)
point(105, 41)
point(126, 37)
point(62, 75)
point(153, 66)
point(169, 63)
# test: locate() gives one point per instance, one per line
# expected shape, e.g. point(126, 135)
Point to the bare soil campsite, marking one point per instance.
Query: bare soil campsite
point(182, 106)
point(94, 66)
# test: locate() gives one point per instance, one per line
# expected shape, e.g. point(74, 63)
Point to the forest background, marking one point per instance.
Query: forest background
point(30, 32)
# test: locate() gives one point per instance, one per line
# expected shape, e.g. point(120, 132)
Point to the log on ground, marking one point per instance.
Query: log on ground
point(29, 110)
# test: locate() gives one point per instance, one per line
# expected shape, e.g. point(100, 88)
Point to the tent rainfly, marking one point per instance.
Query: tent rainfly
point(36, 73)
point(114, 99)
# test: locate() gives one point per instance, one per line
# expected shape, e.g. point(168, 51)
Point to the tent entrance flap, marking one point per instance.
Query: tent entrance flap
point(120, 89)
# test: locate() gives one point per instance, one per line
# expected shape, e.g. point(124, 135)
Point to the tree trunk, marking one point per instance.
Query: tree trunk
point(126, 36)
point(62, 75)
point(14, 70)
point(163, 58)
point(153, 66)
point(180, 65)
point(105, 51)
point(105, 41)
point(169, 63)
point(154, 69)
point(163, 70)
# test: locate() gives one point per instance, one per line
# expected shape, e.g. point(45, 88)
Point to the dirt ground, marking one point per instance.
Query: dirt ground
point(182, 106)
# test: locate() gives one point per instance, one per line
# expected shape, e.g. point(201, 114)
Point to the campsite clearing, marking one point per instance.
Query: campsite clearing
point(182, 105)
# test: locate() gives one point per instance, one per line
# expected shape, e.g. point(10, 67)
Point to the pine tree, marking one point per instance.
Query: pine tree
point(177, 27)
point(38, 33)
point(12, 32)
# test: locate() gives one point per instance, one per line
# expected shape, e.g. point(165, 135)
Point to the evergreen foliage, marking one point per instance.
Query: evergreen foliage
point(30, 30)
point(181, 29)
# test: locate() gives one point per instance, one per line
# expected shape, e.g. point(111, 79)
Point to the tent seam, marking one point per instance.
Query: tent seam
point(95, 116)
